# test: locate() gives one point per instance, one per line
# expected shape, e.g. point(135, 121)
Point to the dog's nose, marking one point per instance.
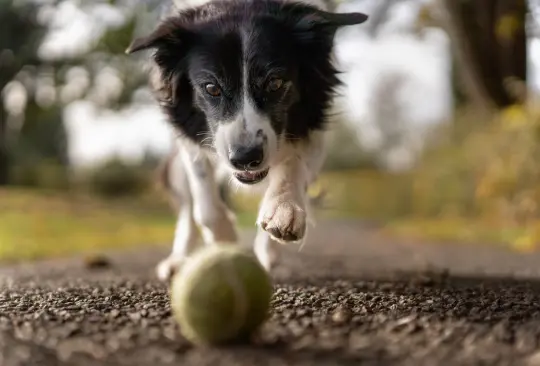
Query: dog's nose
point(246, 158)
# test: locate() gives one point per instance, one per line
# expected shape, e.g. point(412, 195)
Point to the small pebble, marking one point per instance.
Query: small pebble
point(341, 315)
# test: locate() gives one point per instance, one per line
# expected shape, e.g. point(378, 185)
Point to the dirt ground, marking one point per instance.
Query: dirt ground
point(350, 297)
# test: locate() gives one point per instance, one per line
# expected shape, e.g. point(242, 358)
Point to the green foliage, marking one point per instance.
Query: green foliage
point(491, 172)
point(43, 175)
point(43, 136)
point(477, 181)
point(20, 36)
point(344, 151)
point(115, 40)
point(115, 179)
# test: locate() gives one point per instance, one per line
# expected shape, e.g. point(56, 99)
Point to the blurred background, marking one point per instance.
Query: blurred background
point(436, 133)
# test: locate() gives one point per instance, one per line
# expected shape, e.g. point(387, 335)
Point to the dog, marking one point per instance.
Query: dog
point(247, 86)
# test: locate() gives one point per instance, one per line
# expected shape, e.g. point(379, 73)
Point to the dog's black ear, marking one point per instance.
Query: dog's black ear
point(330, 21)
point(313, 25)
point(343, 19)
point(167, 33)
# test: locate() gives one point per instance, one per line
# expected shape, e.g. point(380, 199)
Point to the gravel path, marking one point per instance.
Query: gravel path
point(351, 297)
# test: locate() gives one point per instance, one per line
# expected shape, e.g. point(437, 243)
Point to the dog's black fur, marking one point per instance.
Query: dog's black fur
point(289, 40)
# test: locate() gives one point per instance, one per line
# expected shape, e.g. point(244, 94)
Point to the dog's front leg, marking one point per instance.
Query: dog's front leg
point(210, 212)
point(194, 190)
point(266, 249)
point(186, 235)
point(284, 209)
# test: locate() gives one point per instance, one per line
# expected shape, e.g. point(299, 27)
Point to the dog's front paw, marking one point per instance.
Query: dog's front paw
point(283, 219)
point(169, 266)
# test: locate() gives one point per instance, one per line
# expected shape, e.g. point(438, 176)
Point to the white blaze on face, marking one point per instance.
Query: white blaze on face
point(247, 129)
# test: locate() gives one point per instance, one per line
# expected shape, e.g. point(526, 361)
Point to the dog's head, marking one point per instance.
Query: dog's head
point(245, 76)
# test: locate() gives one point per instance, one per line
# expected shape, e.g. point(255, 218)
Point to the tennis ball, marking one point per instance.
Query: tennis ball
point(222, 294)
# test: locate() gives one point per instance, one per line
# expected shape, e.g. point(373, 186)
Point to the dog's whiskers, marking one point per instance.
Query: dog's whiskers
point(301, 246)
point(232, 184)
point(290, 136)
point(207, 141)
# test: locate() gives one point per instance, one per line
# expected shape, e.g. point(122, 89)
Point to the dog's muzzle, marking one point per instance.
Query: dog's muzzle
point(248, 162)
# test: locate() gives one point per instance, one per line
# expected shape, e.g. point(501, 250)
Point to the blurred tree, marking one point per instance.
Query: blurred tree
point(490, 41)
point(37, 132)
point(20, 36)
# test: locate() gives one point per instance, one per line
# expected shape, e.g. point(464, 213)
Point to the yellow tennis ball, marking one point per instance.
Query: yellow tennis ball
point(221, 294)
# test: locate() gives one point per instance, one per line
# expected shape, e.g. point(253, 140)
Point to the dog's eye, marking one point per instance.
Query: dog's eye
point(274, 85)
point(212, 89)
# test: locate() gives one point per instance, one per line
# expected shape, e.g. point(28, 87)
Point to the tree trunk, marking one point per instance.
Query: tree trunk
point(459, 87)
point(490, 38)
point(4, 158)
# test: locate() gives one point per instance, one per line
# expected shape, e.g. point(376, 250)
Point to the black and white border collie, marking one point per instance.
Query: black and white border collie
point(247, 84)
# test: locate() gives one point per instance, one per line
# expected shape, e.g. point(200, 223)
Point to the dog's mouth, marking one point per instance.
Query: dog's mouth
point(247, 177)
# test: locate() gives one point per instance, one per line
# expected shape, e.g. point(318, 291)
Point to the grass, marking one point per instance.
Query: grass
point(39, 224)
point(456, 230)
